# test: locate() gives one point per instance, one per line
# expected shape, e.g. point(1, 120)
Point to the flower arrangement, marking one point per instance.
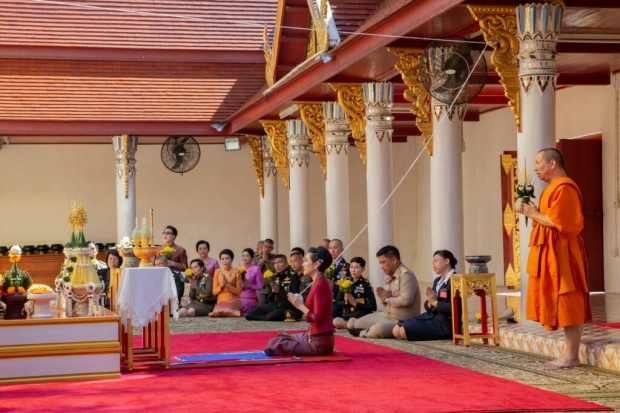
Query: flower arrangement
point(345, 285)
point(15, 280)
point(40, 289)
point(478, 317)
point(189, 274)
point(126, 242)
point(525, 189)
point(329, 272)
point(166, 252)
point(268, 275)
point(15, 254)
point(242, 271)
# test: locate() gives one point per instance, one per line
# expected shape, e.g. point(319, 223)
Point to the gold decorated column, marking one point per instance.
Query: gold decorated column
point(125, 148)
point(351, 99)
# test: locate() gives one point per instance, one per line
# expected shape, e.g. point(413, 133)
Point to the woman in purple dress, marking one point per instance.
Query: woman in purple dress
point(211, 264)
point(252, 281)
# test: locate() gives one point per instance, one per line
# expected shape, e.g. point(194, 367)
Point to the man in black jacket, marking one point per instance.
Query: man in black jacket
point(278, 306)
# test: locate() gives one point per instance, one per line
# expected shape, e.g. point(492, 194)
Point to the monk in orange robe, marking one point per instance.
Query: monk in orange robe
point(558, 289)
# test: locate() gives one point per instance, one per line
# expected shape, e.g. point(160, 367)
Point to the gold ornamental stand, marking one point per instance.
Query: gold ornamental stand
point(482, 285)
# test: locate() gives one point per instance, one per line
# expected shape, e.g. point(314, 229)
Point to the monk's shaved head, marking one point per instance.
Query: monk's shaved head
point(552, 154)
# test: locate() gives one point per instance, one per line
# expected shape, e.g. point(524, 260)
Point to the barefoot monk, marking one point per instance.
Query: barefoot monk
point(558, 291)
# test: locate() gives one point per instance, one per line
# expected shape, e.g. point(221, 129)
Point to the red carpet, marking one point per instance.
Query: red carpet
point(378, 379)
point(608, 325)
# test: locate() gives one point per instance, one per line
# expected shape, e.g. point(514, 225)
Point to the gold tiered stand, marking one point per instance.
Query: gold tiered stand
point(145, 250)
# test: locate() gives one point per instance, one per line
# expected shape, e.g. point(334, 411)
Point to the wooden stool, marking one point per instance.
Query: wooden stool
point(155, 342)
point(464, 285)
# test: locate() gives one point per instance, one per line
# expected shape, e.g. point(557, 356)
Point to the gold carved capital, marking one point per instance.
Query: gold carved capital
point(351, 98)
point(407, 66)
point(276, 133)
point(499, 27)
point(312, 115)
point(256, 147)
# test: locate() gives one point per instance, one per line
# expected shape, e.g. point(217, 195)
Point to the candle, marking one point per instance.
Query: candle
point(152, 233)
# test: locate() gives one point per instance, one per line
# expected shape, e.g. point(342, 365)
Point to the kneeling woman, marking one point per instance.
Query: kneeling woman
point(319, 340)
point(436, 322)
point(360, 301)
point(227, 285)
point(200, 292)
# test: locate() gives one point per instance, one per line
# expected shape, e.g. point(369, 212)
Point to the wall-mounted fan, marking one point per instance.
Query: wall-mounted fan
point(453, 70)
point(180, 154)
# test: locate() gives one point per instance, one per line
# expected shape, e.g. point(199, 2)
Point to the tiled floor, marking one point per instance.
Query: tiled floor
point(600, 346)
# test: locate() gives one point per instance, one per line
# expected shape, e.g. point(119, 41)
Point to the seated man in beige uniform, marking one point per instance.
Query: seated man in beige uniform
point(399, 294)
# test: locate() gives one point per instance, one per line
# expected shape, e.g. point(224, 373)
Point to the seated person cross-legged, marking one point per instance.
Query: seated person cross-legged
point(319, 339)
point(201, 295)
point(252, 281)
point(360, 301)
point(399, 295)
point(227, 286)
point(278, 306)
point(436, 322)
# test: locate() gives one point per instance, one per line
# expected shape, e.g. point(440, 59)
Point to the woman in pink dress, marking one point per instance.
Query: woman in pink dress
point(211, 264)
point(252, 281)
point(227, 285)
point(319, 340)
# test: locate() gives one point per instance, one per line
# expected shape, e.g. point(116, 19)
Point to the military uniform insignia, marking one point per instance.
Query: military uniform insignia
point(359, 300)
point(403, 270)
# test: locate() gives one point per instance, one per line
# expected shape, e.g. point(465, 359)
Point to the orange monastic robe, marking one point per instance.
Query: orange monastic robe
point(558, 289)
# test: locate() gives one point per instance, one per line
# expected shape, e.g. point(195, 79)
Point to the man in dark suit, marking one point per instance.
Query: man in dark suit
point(341, 271)
point(278, 307)
point(436, 322)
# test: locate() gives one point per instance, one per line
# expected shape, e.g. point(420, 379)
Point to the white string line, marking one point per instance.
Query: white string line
point(417, 157)
point(236, 22)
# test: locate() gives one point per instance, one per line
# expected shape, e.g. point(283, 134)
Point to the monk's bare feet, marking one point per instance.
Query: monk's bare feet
point(563, 362)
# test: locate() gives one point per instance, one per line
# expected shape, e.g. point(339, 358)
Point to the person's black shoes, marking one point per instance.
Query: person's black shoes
point(356, 331)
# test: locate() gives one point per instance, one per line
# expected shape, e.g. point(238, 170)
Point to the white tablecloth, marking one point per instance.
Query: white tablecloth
point(143, 292)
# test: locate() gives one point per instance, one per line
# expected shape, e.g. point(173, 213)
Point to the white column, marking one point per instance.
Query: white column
point(337, 183)
point(538, 28)
point(125, 148)
point(269, 201)
point(378, 99)
point(299, 195)
point(447, 222)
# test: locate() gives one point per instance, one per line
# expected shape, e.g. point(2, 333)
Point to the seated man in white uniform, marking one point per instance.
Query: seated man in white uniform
point(399, 295)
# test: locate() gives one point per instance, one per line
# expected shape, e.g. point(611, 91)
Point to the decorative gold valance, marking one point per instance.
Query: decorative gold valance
point(312, 115)
point(256, 147)
point(276, 133)
point(407, 66)
point(499, 27)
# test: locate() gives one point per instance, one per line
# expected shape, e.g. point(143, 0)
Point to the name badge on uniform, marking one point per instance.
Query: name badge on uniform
point(443, 293)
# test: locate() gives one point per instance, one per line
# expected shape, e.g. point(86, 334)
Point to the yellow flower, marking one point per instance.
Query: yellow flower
point(329, 272)
point(268, 275)
point(167, 252)
point(478, 316)
point(189, 272)
point(345, 284)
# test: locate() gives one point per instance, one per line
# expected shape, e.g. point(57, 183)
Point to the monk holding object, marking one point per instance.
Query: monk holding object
point(558, 290)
